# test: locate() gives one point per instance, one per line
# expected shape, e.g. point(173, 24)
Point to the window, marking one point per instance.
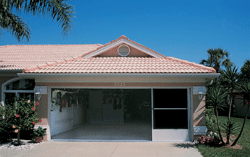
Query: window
point(21, 88)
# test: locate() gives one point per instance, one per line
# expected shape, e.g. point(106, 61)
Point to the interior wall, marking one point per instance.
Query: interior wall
point(77, 113)
point(118, 106)
point(138, 106)
point(95, 110)
point(61, 121)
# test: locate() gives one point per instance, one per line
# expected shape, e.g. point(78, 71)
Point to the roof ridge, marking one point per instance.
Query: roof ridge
point(123, 37)
point(145, 47)
point(192, 63)
point(51, 45)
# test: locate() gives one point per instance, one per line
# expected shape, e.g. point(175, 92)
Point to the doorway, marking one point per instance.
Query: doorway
point(103, 114)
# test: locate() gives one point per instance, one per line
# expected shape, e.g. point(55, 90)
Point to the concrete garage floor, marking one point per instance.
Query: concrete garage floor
point(107, 132)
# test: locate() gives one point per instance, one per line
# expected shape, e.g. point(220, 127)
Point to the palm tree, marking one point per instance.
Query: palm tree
point(58, 9)
point(244, 89)
point(229, 81)
point(245, 71)
point(216, 58)
point(215, 97)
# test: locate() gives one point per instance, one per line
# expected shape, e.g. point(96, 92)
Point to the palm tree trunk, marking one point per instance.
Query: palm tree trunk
point(229, 116)
point(236, 140)
point(230, 106)
point(216, 112)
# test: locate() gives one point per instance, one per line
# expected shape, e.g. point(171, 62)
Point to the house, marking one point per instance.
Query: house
point(118, 91)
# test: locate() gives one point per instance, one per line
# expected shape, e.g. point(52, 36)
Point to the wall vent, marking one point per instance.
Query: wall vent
point(123, 50)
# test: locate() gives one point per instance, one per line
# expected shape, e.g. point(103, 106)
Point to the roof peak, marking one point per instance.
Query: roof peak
point(122, 36)
point(123, 40)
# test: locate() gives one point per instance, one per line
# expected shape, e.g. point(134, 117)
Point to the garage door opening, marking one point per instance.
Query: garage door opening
point(101, 114)
point(171, 105)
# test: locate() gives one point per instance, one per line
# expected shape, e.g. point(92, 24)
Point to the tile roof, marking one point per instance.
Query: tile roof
point(19, 57)
point(70, 59)
point(122, 65)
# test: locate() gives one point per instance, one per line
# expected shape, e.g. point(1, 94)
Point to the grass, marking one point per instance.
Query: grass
point(244, 141)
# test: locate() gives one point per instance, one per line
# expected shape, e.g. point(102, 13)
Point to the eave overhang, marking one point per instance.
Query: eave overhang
point(177, 75)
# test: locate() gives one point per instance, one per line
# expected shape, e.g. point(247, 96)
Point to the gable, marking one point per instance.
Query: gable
point(110, 48)
point(114, 52)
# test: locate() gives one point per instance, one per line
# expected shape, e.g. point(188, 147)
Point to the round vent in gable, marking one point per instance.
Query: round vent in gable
point(123, 50)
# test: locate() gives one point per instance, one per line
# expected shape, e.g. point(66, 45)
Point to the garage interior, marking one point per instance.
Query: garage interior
point(101, 114)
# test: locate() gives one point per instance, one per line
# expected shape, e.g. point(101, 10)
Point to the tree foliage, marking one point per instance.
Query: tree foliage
point(215, 97)
point(229, 83)
point(244, 89)
point(229, 79)
point(245, 71)
point(217, 58)
point(59, 10)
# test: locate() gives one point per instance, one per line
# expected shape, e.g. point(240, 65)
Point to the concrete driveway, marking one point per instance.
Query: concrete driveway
point(106, 149)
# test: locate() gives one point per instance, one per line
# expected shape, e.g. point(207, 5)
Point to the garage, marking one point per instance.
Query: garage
point(120, 114)
point(121, 90)
point(101, 114)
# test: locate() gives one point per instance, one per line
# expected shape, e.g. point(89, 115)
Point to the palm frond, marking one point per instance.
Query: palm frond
point(216, 96)
point(227, 63)
point(203, 61)
point(15, 24)
point(230, 126)
point(229, 78)
point(59, 10)
point(244, 89)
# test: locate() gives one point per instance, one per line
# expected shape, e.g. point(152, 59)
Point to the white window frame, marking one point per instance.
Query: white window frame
point(17, 92)
point(161, 132)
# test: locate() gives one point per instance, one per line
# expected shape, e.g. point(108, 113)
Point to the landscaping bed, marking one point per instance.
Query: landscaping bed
point(241, 149)
point(25, 145)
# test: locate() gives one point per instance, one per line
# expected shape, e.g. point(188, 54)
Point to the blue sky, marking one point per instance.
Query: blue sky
point(181, 29)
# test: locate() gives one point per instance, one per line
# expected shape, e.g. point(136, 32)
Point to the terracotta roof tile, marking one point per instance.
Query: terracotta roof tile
point(68, 59)
point(19, 57)
point(125, 65)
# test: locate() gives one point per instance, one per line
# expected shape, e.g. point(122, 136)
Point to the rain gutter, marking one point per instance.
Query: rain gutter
point(195, 75)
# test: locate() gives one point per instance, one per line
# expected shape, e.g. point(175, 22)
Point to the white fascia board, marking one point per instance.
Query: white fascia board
point(121, 41)
point(35, 75)
point(11, 71)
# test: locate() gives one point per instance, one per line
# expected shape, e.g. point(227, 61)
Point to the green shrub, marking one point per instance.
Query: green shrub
point(211, 121)
point(39, 132)
point(5, 126)
point(18, 116)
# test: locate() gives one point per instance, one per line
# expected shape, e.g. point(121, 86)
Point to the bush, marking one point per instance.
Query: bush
point(5, 126)
point(18, 117)
point(40, 132)
point(211, 121)
point(209, 139)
